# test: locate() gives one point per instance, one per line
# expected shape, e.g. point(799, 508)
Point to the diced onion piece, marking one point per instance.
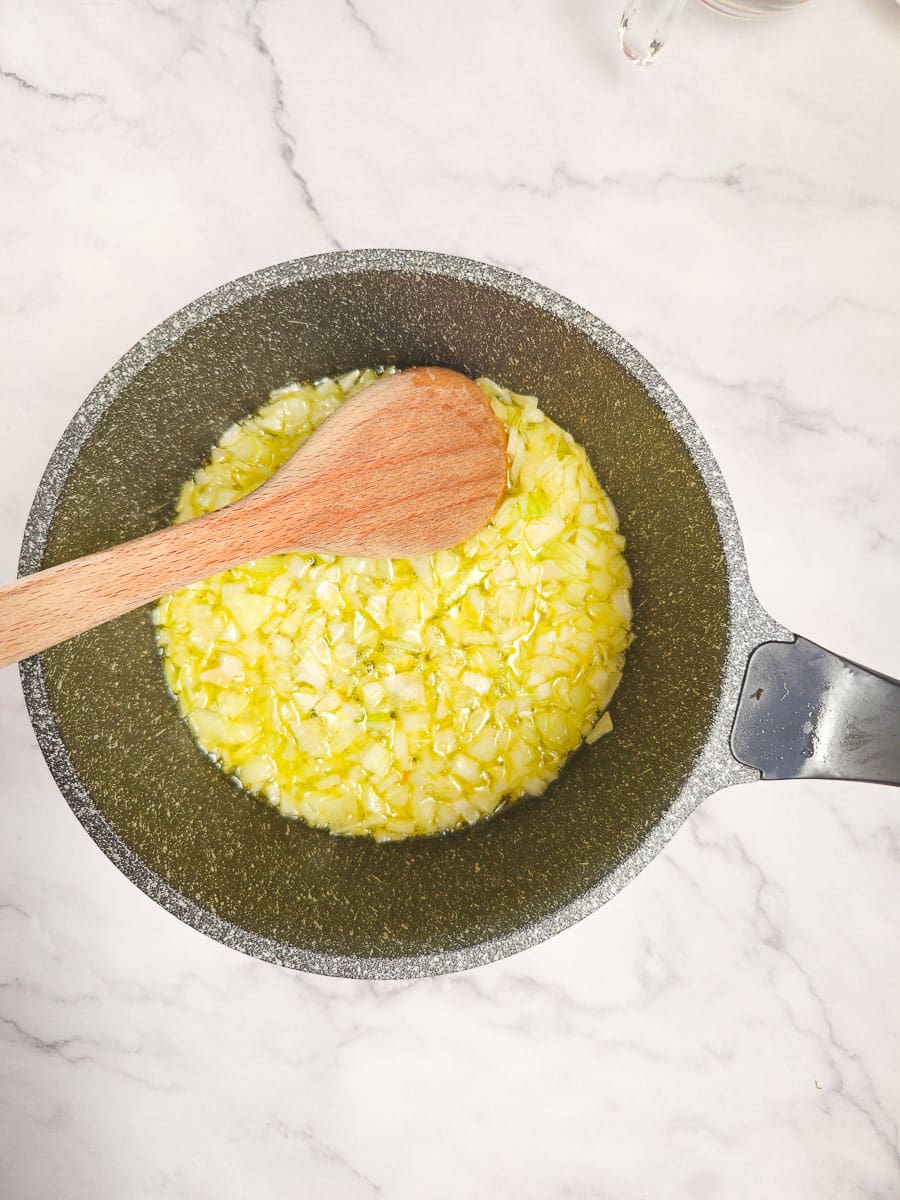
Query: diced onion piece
point(604, 725)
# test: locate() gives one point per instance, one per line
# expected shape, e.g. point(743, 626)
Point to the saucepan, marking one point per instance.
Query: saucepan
point(715, 691)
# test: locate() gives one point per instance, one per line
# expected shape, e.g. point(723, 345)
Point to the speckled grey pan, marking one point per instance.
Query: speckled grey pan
point(276, 889)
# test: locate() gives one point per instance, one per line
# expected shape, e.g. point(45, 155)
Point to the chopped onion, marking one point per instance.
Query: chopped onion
point(395, 698)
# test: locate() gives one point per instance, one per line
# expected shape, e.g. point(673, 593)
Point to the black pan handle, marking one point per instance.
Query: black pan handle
point(805, 713)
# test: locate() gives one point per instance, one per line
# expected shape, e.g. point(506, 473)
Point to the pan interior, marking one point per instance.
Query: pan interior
point(282, 880)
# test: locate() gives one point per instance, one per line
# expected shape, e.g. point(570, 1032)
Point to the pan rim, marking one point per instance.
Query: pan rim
point(748, 623)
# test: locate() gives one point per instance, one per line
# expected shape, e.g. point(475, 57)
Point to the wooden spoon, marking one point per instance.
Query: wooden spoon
point(413, 463)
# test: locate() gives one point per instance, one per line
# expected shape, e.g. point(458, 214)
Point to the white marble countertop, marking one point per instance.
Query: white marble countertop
point(728, 1026)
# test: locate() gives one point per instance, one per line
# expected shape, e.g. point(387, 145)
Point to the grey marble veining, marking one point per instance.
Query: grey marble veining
point(731, 1016)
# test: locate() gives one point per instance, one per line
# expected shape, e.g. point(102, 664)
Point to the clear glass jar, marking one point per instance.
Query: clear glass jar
point(645, 24)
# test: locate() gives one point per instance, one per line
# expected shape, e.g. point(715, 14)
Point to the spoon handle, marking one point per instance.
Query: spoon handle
point(50, 606)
